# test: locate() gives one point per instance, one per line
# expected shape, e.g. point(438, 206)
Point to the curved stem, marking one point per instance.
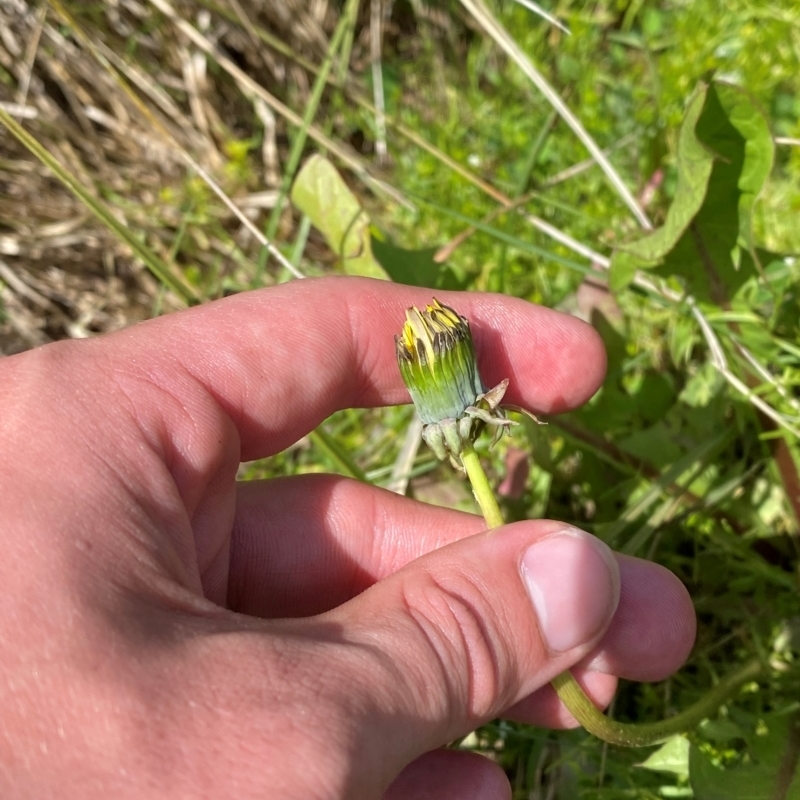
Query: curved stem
point(643, 734)
point(568, 689)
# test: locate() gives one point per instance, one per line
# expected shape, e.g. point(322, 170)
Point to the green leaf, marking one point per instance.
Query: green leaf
point(769, 770)
point(702, 386)
point(721, 730)
point(745, 116)
point(320, 192)
point(725, 154)
point(622, 270)
point(672, 756)
point(415, 267)
point(694, 169)
point(711, 783)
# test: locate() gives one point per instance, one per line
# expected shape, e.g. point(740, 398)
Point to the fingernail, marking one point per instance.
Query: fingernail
point(573, 580)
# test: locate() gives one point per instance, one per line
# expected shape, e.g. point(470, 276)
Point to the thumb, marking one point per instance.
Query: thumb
point(463, 633)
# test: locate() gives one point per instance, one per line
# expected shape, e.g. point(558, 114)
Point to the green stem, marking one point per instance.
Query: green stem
point(643, 734)
point(568, 689)
point(481, 487)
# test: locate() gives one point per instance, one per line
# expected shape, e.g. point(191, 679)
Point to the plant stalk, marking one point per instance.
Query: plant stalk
point(568, 689)
point(481, 488)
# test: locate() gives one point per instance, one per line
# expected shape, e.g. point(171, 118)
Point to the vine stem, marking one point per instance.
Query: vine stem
point(569, 690)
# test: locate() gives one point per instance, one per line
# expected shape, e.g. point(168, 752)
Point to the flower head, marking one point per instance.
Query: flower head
point(437, 361)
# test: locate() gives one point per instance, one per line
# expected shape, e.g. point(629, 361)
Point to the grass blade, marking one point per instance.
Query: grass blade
point(336, 453)
point(502, 38)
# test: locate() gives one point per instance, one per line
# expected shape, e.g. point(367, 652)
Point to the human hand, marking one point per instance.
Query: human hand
point(169, 633)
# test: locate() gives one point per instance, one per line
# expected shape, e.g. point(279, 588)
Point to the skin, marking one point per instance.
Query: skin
point(167, 632)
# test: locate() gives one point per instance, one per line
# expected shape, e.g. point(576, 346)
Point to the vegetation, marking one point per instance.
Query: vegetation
point(195, 125)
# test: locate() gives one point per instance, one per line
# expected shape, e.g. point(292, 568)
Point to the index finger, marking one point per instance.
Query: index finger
point(280, 360)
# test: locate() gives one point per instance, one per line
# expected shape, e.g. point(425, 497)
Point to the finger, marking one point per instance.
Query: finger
point(649, 638)
point(346, 536)
point(654, 628)
point(278, 361)
point(351, 535)
point(457, 636)
point(306, 544)
point(451, 774)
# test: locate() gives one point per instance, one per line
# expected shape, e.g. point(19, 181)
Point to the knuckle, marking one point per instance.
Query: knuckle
point(466, 641)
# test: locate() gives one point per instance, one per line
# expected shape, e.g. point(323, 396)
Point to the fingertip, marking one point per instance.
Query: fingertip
point(454, 774)
point(654, 628)
point(555, 362)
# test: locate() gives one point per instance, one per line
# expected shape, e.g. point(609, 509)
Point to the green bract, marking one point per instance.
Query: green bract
point(437, 361)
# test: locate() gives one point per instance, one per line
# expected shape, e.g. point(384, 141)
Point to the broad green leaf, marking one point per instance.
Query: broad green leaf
point(622, 270)
point(721, 730)
point(320, 192)
point(724, 156)
point(655, 395)
point(711, 783)
point(694, 169)
point(672, 756)
point(751, 125)
point(415, 267)
point(770, 769)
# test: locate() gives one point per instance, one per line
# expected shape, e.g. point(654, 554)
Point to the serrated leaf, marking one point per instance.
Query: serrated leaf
point(748, 120)
point(320, 192)
point(694, 169)
point(725, 154)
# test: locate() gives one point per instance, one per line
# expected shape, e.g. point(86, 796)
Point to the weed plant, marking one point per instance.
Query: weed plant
point(166, 112)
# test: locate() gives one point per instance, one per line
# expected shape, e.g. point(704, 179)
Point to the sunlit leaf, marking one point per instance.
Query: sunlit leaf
point(672, 756)
point(724, 157)
point(320, 192)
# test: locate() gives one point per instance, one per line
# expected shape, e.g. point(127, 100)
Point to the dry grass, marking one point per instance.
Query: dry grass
point(118, 95)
